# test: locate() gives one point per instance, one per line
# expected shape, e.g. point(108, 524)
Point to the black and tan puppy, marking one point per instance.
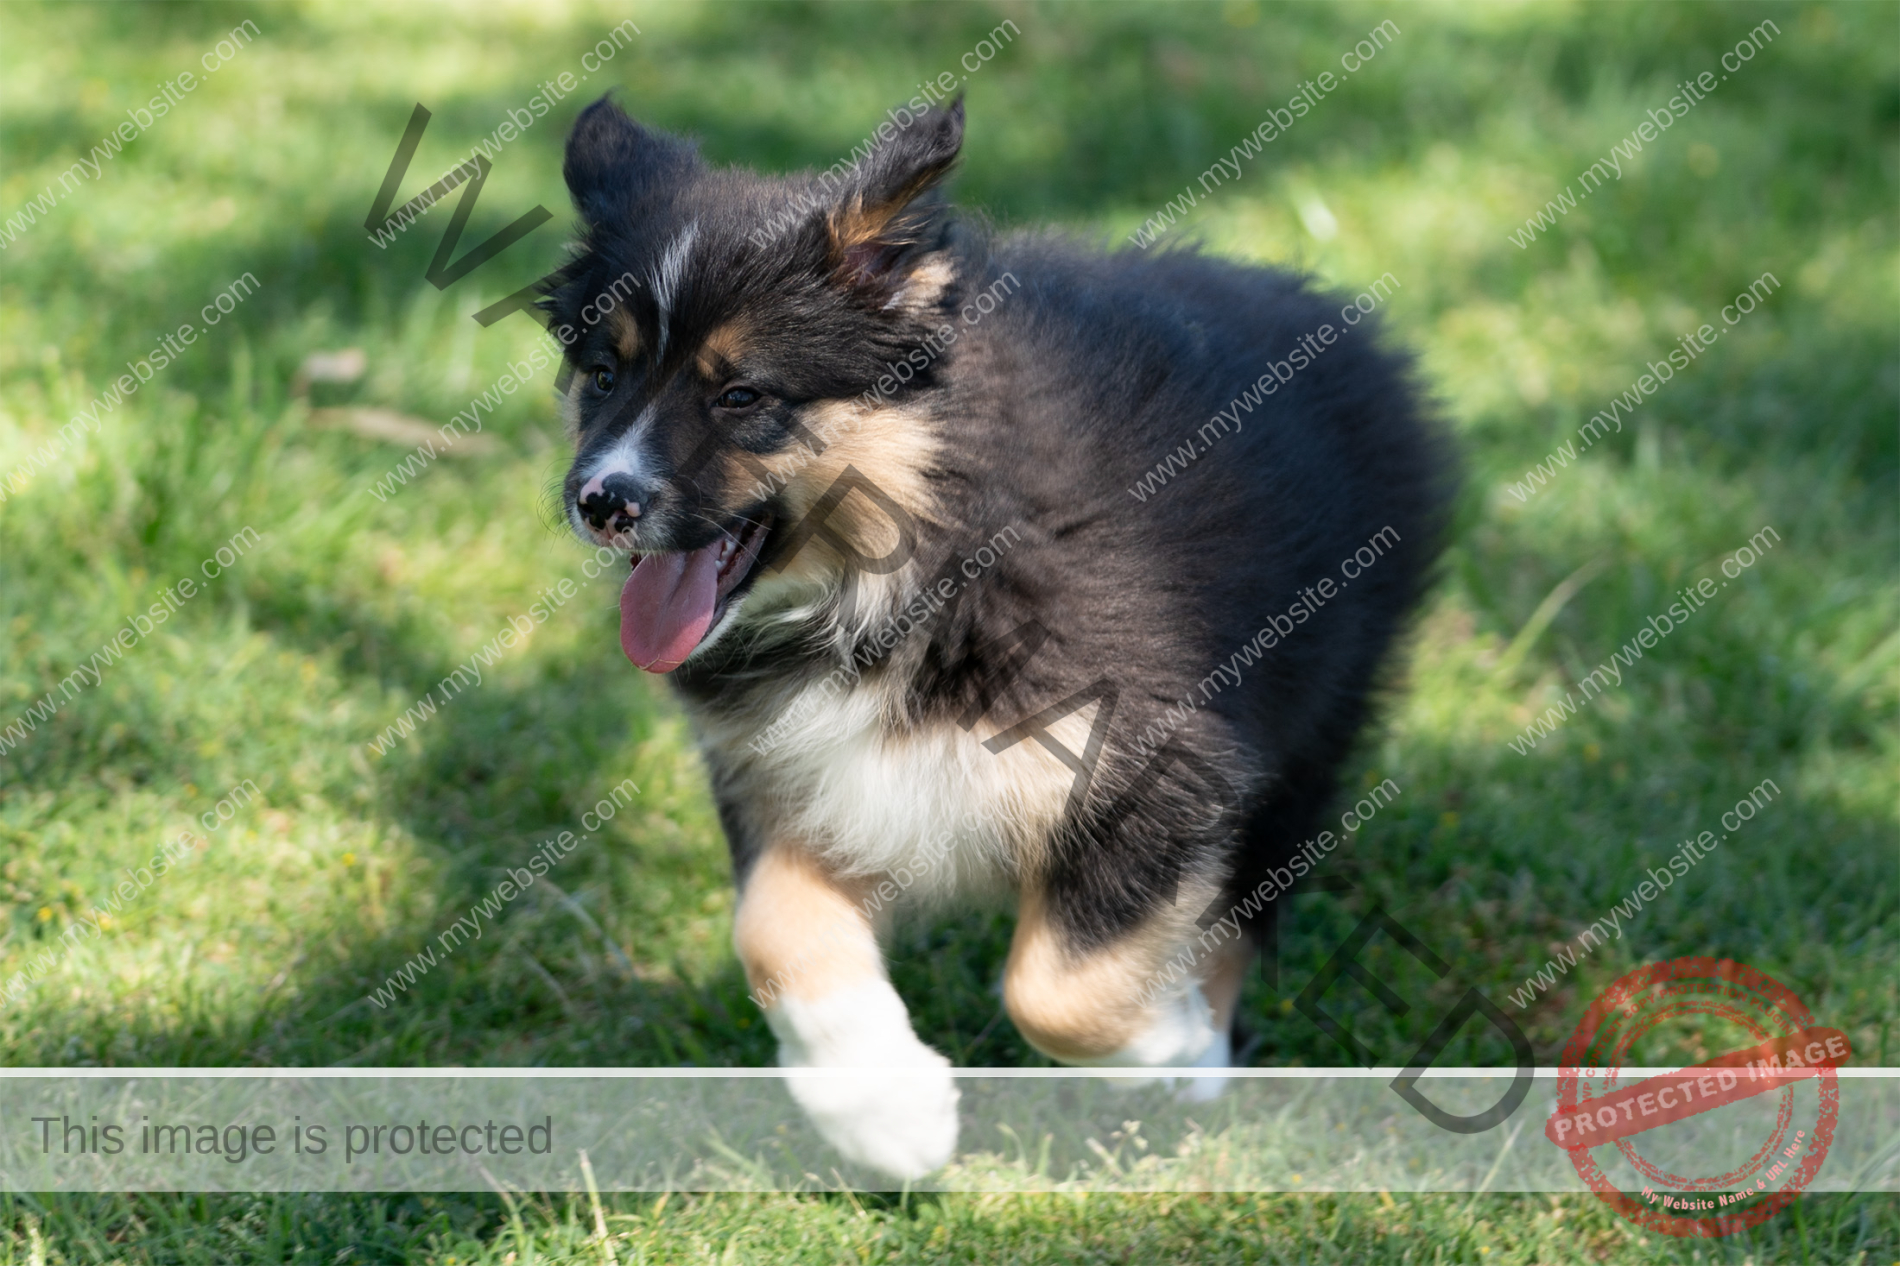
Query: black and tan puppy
point(875, 469)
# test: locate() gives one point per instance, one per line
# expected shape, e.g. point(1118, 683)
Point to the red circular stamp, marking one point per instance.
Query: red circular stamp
point(1743, 1164)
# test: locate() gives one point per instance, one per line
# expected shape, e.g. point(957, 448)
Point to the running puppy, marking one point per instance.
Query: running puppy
point(887, 484)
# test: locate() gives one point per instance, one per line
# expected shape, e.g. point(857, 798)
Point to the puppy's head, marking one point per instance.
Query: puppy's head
point(726, 336)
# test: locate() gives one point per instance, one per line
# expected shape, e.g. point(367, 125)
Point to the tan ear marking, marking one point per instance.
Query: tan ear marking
point(855, 225)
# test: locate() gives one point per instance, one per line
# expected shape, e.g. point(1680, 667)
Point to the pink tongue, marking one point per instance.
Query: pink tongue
point(667, 606)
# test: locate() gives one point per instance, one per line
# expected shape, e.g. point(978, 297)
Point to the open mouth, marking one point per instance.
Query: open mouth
point(673, 599)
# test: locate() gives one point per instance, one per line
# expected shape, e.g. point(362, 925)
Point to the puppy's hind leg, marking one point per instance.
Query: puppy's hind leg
point(1161, 996)
point(811, 958)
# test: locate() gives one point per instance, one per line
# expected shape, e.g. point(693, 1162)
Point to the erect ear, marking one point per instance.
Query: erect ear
point(613, 164)
point(891, 215)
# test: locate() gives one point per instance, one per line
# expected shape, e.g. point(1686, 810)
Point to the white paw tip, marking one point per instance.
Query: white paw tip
point(1219, 1054)
point(901, 1123)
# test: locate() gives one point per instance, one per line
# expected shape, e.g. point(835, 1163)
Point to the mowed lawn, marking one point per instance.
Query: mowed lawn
point(349, 595)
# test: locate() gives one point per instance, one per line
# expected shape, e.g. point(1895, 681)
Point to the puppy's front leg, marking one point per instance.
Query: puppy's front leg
point(811, 958)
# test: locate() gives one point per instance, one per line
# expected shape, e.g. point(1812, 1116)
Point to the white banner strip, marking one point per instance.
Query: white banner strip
point(699, 1129)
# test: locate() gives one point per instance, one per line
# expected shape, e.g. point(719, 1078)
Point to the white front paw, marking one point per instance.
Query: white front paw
point(893, 1107)
point(899, 1122)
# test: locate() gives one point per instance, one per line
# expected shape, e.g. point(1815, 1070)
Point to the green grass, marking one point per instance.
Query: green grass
point(261, 950)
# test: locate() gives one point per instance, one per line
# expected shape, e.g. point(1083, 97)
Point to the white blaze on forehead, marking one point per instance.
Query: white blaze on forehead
point(625, 456)
point(666, 279)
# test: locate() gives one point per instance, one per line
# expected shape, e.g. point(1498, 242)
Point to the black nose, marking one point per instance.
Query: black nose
point(611, 503)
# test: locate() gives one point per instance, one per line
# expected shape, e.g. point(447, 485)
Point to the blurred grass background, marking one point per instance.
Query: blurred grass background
point(261, 950)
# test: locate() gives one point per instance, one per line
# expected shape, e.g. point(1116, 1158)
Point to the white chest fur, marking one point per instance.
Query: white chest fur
point(926, 805)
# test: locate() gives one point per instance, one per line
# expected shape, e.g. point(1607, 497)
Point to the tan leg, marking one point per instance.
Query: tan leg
point(812, 960)
point(801, 932)
point(1165, 995)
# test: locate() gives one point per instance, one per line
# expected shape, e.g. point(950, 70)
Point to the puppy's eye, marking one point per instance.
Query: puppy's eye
point(737, 398)
point(604, 381)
